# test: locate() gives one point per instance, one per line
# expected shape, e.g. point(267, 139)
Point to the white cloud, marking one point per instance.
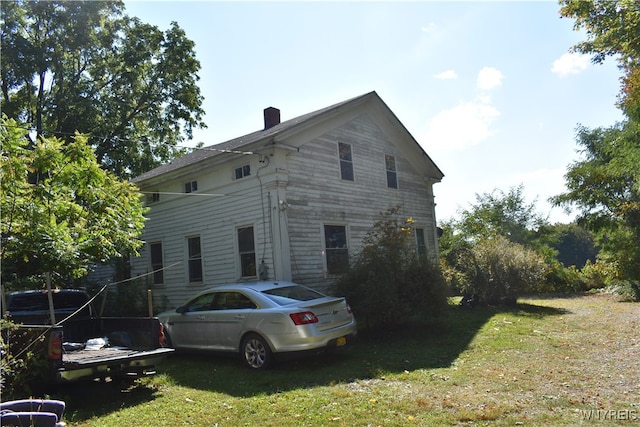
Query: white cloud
point(570, 63)
point(469, 122)
point(489, 78)
point(447, 75)
point(466, 124)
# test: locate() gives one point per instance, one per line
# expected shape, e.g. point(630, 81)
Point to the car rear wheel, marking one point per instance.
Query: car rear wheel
point(255, 352)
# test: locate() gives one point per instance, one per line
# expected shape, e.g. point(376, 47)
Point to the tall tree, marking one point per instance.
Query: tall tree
point(85, 66)
point(605, 186)
point(605, 183)
point(499, 213)
point(60, 211)
point(612, 28)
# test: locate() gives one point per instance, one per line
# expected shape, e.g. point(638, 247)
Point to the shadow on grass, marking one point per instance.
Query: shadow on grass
point(425, 344)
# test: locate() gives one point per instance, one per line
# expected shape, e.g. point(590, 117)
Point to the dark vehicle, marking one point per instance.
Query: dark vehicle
point(85, 347)
point(32, 307)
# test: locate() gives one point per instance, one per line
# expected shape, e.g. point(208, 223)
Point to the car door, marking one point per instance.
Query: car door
point(190, 328)
point(225, 322)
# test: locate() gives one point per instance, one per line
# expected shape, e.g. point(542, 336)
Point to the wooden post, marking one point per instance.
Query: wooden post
point(52, 311)
point(150, 302)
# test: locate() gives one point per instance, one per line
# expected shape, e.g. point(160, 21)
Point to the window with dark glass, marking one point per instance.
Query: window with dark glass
point(243, 171)
point(422, 246)
point(156, 263)
point(201, 303)
point(346, 161)
point(336, 250)
point(153, 197)
point(232, 301)
point(392, 176)
point(195, 259)
point(247, 252)
point(190, 187)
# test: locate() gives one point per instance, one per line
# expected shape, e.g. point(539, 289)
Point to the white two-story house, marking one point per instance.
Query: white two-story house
point(292, 201)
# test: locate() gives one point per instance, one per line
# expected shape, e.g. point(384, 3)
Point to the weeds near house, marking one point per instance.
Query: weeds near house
point(557, 361)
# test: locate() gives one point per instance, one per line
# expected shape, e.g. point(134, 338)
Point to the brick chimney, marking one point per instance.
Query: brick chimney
point(271, 117)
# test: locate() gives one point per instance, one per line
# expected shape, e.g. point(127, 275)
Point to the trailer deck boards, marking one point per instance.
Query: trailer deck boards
point(108, 354)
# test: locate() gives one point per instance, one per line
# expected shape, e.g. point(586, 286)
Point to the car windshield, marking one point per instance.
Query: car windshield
point(291, 294)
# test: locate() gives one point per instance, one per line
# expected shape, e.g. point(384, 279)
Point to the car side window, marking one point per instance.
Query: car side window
point(201, 303)
point(232, 301)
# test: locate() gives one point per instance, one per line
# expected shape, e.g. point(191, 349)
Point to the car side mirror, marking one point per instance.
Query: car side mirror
point(181, 309)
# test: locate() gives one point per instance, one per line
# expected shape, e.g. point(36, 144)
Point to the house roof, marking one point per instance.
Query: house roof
point(237, 144)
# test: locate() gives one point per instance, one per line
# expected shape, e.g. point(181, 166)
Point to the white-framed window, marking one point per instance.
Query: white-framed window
point(392, 175)
point(155, 253)
point(346, 161)
point(191, 187)
point(242, 171)
point(247, 251)
point(336, 250)
point(194, 253)
point(421, 242)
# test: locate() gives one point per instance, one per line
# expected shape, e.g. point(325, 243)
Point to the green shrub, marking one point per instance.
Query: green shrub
point(126, 299)
point(23, 365)
point(499, 271)
point(561, 279)
point(388, 283)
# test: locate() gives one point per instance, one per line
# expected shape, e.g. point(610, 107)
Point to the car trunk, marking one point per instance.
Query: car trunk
point(331, 312)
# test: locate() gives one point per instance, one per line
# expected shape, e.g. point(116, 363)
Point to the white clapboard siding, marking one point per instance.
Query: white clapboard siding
point(294, 189)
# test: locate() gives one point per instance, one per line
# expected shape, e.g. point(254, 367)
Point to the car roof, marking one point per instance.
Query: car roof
point(44, 292)
point(256, 286)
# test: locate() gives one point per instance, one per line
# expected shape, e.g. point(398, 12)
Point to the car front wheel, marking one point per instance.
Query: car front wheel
point(256, 352)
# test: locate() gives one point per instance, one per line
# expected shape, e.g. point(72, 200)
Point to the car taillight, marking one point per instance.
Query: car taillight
point(303, 318)
point(161, 337)
point(349, 309)
point(55, 345)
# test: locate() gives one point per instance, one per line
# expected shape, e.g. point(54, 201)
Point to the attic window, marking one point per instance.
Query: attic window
point(242, 171)
point(190, 187)
point(346, 161)
point(392, 175)
point(153, 197)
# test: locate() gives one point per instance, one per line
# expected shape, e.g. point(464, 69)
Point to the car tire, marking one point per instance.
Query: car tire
point(255, 352)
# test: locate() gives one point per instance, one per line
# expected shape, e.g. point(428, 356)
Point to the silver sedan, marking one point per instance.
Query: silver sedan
point(259, 321)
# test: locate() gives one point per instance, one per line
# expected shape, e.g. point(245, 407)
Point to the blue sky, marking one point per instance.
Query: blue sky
point(488, 88)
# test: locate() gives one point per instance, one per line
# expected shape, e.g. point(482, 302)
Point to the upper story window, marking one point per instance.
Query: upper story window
point(153, 197)
point(392, 175)
point(346, 161)
point(242, 171)
point(191, 187)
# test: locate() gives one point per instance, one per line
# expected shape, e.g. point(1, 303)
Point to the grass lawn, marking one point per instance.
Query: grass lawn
point(556, 361)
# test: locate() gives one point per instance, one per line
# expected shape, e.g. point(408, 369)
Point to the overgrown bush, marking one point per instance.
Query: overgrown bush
point(23, 369)
point(561, 279)
point(604, 274)
point(127, 299)
point(388, 283)
point(498, 271)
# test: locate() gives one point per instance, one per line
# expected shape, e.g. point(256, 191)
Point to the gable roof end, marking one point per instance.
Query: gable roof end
point(272, 128)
